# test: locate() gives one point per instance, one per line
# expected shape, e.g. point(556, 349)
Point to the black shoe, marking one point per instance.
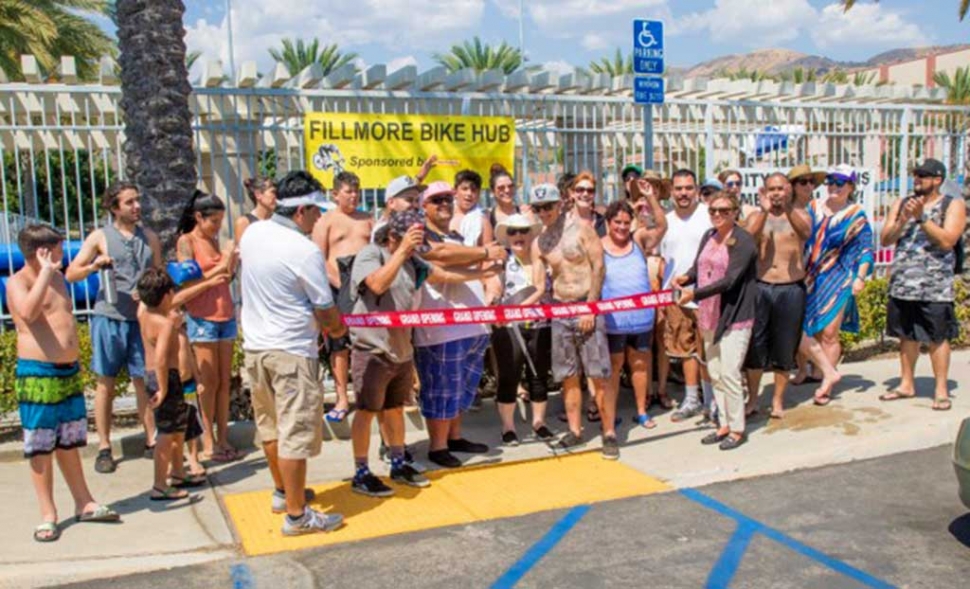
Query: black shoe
point(104, 463)
point(544, 434)
point(567, 442)
point(510, 438)
point(371, 486)
point(463, 445)
point(611, 448)
point(713, 438)
point(730, 443)
point(408, 476)
point(443, 458)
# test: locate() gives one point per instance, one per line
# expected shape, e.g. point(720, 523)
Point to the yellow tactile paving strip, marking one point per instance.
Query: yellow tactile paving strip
point(459, 496)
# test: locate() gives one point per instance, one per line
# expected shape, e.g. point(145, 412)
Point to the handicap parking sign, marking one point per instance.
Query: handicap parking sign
point(648, 90)
point(648, 47)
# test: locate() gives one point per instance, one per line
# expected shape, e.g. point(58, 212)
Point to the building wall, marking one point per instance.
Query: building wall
point(920, 71)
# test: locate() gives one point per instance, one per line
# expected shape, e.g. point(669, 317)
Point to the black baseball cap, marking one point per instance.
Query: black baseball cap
point(931, 167)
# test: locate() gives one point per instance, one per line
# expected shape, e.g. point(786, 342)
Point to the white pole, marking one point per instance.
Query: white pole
point(232, 54)
point(521, 31)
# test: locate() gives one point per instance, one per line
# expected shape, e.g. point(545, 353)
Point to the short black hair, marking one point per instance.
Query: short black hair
point(684, 172)
point(298, 183)
point(346, 179)
point(153, 285)
point(564, 182)
point(469, 176)
point(113, 193)
point(616, 207)
point(33, 237)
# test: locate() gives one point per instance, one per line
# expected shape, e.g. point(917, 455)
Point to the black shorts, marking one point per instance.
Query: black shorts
point(777, 331)
point(921, 321)
point(172, 416)
point(619, 342)
point(339, 344)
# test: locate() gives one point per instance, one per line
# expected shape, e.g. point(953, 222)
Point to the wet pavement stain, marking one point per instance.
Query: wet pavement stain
point(807, 417)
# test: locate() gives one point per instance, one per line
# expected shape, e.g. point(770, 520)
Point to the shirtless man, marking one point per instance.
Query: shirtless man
point(573, 253)
point(48, 384)
point(340, 234)
point(781, 230)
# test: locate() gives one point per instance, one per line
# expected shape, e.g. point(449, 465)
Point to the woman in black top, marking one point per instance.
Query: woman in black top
point(263, 194)
point(725, 273)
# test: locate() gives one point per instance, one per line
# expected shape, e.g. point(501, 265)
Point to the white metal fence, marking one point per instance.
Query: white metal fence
point(61, 145)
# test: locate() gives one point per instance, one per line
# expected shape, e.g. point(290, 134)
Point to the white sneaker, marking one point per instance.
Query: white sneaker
point(312, 522)
point(279, 499)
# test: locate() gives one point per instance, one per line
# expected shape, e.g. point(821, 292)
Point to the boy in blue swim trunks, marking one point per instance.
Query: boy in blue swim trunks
point(48, 386)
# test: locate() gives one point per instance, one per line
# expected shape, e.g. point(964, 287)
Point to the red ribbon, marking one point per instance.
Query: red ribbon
point(509, 313)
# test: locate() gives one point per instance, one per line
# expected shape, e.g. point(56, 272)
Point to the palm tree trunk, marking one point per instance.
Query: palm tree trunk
point(159, 154)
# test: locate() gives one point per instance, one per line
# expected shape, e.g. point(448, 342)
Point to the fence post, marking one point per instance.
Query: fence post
point(904, 155)
point(708, 142)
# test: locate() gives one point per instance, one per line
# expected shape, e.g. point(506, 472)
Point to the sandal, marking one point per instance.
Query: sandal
point(822, 400)
point(942, 404)
point(665, 401)
point(47, 532)
point(645, 421)
point(101, 514)
point(336, 415)
point(168, 494)
point(895, 395)
point(188, 481)
point(593, 414)
point(223, 455)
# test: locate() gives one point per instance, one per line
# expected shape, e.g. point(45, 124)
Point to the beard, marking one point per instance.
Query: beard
point(921, 190)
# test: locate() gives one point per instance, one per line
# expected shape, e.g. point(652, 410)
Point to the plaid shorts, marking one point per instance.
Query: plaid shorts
point(449, 374)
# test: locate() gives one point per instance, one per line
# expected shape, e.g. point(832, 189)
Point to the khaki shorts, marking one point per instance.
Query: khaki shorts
point(681, 338)
point(287, 402)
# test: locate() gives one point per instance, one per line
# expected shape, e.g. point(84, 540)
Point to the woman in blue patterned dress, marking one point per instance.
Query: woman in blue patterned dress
point(839, 259)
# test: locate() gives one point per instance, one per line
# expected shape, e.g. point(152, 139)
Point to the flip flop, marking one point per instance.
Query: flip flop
point(168, 494)
point(187, 482)
point(336, 415)
point(895, 395)
point(822, 400)
point(665, 401)
point(101, 514)
point(593, 414)
point(47, 532)
point(774, 415)
point(807, 380)
point(942, 404)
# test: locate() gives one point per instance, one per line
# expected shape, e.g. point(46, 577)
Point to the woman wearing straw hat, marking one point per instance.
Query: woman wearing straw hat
point(522, 345)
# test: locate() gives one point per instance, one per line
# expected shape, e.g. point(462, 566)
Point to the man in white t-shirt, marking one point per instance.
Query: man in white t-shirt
point(686, 225)
point(286, 303)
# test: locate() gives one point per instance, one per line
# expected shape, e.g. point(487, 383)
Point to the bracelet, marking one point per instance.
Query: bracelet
point(485, 259)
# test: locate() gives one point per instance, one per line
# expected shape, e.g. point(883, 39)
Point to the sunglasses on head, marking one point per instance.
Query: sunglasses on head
point(721, 210)
point(545, 207)
point(837, 182)
point(513, 231)
point(441, 200)
point(708, 191)
point(803, 182)
point(732, 184)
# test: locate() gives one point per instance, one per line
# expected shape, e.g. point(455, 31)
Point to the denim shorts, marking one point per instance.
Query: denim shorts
point(116, 344)
point(203, 331)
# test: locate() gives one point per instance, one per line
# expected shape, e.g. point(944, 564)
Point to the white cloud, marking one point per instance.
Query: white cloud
point(754, 23)
point(258, 25)
point(559, 67)
point(594, 42)
point(865, 25)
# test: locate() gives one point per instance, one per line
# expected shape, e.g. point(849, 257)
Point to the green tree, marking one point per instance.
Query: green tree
point(957, 87)
point(617, 66)
point(481, 57)
point(49, 29)
point(296, 56)
point(963, 6)
point(155, 89)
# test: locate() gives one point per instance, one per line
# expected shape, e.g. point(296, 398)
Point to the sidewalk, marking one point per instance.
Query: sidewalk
point(856, 425)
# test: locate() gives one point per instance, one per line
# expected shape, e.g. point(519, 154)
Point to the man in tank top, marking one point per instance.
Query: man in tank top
point(125, 249)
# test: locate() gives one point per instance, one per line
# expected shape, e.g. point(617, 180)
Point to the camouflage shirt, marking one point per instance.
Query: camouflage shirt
point(922, 271)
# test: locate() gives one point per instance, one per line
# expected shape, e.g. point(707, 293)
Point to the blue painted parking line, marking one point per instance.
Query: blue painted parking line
point(540, 548)
point(728, 563)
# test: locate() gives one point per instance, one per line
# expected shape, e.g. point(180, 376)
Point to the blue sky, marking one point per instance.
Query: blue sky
point(563, 32)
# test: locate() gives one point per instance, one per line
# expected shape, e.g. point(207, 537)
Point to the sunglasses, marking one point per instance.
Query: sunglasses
point(732, 184)
point(441, 200)
point(837, 182)
point(721, 210)
point(584, 190)
point(803, 182)
point(544, 207)
point(707, 191)
point(513, 231)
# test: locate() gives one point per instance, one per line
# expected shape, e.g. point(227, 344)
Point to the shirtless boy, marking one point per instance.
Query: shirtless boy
point(340, 234)
point(48, 386)
point(781, 230)
point(159, 321)
point(573, 253)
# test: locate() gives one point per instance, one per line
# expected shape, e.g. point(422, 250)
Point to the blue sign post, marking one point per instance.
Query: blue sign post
point(648, 87)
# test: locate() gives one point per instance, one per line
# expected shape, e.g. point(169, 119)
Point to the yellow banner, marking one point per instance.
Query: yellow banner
point(379, 148)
